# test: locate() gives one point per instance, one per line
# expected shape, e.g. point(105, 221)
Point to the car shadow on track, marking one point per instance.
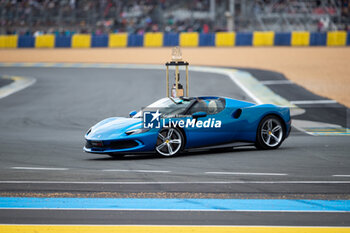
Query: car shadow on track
point(193, 152)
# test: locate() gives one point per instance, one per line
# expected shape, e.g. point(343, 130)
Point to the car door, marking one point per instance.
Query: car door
point(218, 122)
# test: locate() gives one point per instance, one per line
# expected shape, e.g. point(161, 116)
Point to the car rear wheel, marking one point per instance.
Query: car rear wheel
point(270, 133)
point(170, 142)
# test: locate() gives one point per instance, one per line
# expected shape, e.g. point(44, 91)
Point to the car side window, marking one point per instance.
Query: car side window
point(199, 106)
point(219, 105)
point(210, 106)
point(215, 106)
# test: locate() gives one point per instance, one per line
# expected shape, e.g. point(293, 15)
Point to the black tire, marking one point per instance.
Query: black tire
point(170, 142)
point(116, 155)
point(270, 133)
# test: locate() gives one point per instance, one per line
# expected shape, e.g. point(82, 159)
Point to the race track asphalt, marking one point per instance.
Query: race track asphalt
point(43, 126)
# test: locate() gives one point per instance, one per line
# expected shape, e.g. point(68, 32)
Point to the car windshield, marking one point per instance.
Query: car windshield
point(167, 107)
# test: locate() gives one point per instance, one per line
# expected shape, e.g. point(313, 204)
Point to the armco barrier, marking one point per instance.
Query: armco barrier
point(189, 39)
point(184, 39)
point(244, 38)
point(81, 41)
point(171, 39)
point(118, 40)
point(300, 39)
point(225, 39)
point(206, 39)
point(151, 39)
point(99, 41)
point(336, 38)
point(45, 41)
point(25, 42)
point(282, 38)
point(135, 40)
point(318, 39)
point(8, 41)
point(263, 38)
point(63, 41)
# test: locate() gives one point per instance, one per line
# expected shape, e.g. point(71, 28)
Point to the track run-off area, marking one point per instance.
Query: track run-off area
point(48, 184)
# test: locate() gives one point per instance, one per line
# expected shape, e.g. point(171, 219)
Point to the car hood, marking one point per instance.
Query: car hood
point(113, 127)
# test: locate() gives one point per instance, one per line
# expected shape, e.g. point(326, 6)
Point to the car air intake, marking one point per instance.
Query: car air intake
point(123, 144)
point(236, 114)
point(113, 145)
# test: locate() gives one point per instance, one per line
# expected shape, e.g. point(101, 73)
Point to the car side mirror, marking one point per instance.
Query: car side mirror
point(199, 114)
point(132, 113)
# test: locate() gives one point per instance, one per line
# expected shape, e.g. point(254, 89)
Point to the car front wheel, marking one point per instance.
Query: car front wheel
point(169, 142)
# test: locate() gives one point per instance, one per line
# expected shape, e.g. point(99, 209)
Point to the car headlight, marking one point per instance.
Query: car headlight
point(137, 131)
point(89, 131)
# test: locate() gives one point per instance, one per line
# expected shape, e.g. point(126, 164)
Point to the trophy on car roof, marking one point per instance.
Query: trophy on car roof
point(176, 89)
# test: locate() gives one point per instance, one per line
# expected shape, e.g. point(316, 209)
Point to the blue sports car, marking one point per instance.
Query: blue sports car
point(171, 125)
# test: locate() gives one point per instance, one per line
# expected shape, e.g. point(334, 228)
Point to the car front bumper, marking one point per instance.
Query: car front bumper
point(143, 142)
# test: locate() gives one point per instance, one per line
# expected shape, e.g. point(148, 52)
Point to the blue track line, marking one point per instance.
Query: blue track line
point(176, 204)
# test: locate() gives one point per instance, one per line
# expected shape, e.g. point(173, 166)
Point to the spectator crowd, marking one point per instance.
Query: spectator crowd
point(66, 17)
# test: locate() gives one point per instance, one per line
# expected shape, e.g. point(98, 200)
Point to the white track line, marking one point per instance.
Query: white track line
point(247, 173)
point(115, 170)
point(179, 182)
point(341, 175)
point(313, 102)
point(145, 171)
point(244, 88)
point(19, 83)
point(154, 171)
point(40, 168)
point(276, 82)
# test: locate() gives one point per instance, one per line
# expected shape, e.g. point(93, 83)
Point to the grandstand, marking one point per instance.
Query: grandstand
point(67, 17)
